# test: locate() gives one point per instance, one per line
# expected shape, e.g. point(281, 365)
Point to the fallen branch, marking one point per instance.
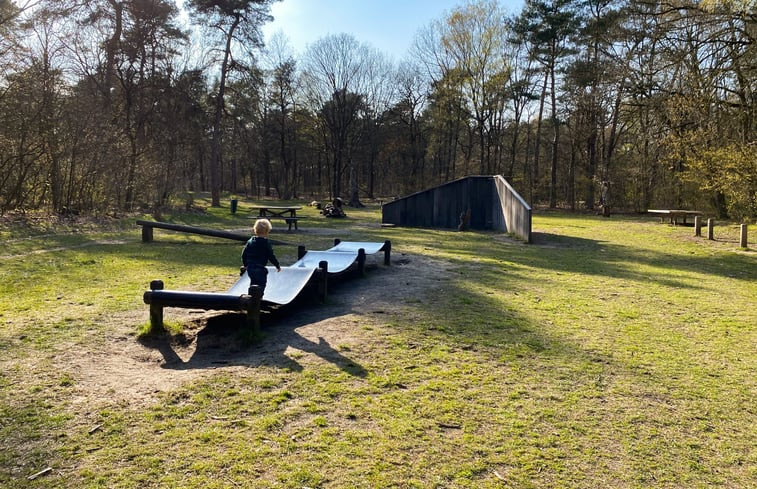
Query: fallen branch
point(40, 473)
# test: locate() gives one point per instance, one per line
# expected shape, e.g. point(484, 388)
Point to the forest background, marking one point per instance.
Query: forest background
point(115, 105)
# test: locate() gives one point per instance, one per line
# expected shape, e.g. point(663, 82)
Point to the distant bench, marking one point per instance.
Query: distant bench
point(673, 214)
point(286, 212)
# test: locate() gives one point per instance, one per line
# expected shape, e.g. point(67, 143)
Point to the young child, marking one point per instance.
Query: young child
point(257, 252)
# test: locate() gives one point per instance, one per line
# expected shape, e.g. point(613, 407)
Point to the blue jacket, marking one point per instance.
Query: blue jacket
point(258, 252)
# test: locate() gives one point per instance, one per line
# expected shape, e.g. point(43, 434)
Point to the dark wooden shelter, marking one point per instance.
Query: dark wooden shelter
point(492, 202)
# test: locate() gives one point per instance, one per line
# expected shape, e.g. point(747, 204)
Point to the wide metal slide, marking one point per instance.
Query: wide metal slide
point(281, 289)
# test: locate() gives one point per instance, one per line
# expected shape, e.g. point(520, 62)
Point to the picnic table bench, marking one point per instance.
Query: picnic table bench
point(288, 213)
point(674, 214)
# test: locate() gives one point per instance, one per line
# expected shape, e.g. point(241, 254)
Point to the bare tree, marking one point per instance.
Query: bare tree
point(547, 26)
point(474, 37)
point(407, 113)
point(343, 80)
point(282, 93)
point(447, 112)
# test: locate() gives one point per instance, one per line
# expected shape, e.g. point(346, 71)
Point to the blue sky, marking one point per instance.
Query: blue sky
point(388, 25)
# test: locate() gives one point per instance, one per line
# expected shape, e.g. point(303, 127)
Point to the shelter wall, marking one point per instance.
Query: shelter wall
point(511, 213)
point(494, 204)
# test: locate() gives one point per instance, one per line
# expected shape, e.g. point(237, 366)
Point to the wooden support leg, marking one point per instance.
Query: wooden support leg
point(252, 332)
point(387, 252)
point(323, 283)
point(146, 234)
point(156, 310)
point(361, 262)
point(743, 236)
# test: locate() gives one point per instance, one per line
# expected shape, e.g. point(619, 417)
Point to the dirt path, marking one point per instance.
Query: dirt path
point(124, 370)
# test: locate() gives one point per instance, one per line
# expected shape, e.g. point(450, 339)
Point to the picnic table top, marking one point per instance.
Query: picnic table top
point(673, 211)
point(277, 207)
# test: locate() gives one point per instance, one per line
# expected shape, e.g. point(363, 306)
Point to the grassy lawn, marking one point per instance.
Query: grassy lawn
point(613, 352)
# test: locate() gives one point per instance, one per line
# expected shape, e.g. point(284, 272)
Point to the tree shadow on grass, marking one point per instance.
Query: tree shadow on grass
point(642, 265)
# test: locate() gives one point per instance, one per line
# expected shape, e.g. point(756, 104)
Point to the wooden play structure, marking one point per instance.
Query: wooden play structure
point(312, 267)
point(476, 202)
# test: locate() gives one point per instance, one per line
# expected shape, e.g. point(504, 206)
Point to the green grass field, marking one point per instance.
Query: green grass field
point(612, 352)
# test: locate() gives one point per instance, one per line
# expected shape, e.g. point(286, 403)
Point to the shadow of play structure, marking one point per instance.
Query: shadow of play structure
point(312, 267)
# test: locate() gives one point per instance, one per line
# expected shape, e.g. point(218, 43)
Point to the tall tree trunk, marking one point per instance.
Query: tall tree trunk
point(112, 46)
point(592, 166)
point(215, 146)
point(354, 190)
point(555, 140)
point(572, 176)
point(537, 137)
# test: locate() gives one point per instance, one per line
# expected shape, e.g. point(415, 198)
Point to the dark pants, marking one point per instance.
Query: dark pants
point(258, 276)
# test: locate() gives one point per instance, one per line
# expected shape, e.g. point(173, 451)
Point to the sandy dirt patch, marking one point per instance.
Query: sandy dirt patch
point(125, 370)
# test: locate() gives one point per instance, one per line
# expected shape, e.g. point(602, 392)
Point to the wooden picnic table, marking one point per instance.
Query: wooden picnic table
point(286, 212)
point(674, 214)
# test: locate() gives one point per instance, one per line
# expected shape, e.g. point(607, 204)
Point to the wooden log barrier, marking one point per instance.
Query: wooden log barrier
point(196, 300)
point(147, 231)
point(158, 298)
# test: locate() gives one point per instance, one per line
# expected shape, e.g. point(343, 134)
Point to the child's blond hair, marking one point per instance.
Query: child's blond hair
point(262, 227)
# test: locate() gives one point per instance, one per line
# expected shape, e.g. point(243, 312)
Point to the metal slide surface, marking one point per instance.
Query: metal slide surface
point(282, 287)
point(338, 261)
point(370, 248)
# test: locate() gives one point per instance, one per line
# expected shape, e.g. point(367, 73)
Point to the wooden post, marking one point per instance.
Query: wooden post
point(710, 228)
point(146, 233)
point(300, 251)
point(361, 262)
point(742, 236)
point(253, 313)
point(387, 252)
point(323, 283)
point(156, 310)
point(697, 226)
